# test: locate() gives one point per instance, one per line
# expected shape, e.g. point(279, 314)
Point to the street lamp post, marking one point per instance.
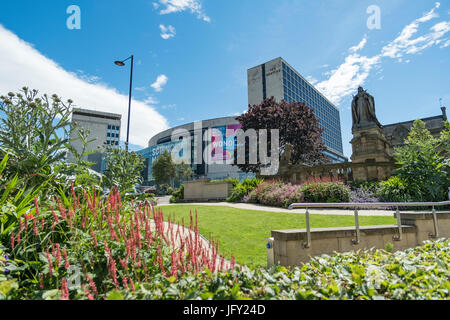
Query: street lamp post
point(121, 64)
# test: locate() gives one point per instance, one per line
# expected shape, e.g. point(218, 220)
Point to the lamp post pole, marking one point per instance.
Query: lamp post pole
point(121, 64)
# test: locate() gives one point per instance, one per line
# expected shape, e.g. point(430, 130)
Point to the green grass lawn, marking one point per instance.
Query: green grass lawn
point(243, 232)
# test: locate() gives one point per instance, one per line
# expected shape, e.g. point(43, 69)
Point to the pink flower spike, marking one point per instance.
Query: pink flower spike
point(64, 289)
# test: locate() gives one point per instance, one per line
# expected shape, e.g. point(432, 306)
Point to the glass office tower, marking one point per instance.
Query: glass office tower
point(278, 79)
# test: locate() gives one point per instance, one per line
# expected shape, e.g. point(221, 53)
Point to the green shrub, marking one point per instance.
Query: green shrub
point(394, 190)
point(362, 275)
point(325, 192)
point(424, 170)
point(177, 195)
point(241, 189)
point(275, 193)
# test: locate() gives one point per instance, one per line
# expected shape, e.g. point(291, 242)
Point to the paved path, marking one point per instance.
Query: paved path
point(164, 201)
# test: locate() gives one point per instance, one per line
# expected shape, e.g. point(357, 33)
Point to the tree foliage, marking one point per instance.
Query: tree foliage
point(163, 168)
point(297, 125)
point(123, 169)
point(424, 168)
point(183, 171)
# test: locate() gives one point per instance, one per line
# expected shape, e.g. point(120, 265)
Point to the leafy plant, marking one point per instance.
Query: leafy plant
point(362, 275)
point(395, 190)
point(326, 192)
point(177, 195)
point(123, 170)
point(424, 171)
point(242, 189)
point(164, 169)
point(32, 131)
point(15, 199)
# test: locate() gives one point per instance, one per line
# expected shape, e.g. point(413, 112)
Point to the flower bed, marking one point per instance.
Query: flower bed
point(108, 245)
point(415, 274)
point(279, 194)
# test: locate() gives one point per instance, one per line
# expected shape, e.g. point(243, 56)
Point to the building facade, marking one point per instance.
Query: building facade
point(104, 129)
point(217, 137)
point(396, 133)
point(278, 79)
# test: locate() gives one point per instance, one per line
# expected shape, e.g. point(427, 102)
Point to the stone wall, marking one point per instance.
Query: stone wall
point(204, 190)
point(288, 248)
point(346, 172)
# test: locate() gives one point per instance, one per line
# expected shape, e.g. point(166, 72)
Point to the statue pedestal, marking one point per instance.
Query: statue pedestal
point(370, 145)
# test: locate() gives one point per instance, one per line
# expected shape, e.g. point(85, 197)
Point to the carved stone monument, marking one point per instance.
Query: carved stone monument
point(369, 141)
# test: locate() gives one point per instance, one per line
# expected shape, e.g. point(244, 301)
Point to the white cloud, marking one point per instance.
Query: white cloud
point(347, 77)
point(167, 32)
point(86, 77)
point(360, 46)
point(22, 65)
point(404, 44)
point(171, 6)
point(445, 44)
point(351, 74)
point(160, 82)
point(312, 80)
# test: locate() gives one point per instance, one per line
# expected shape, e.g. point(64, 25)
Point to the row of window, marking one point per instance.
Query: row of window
point(113, 135)
point(320, 110)
point(312, 98)
point(297, 89)
point(331, 135)
point(319, 107)
point(111, 127)
point(112, 142)
point(298, 82)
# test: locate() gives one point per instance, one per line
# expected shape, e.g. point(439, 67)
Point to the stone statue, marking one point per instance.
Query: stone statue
point(363, 110)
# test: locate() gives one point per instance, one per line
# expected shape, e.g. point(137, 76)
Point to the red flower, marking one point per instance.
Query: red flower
point(50, 264)
point(92, 284)
point(35, 230)
point(36, 206)
point(66, 259)
point(64, 289)
point(12, 241)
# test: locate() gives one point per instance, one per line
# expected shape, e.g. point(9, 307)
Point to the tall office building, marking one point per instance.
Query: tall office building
point(278, 79)
point(104, 127)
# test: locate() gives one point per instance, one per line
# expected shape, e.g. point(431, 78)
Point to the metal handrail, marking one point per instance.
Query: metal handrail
point(354, 205)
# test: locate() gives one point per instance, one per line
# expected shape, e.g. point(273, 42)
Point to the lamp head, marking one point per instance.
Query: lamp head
point(119, 63)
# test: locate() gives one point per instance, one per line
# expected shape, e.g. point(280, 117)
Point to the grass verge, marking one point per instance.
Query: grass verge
point(243, 232)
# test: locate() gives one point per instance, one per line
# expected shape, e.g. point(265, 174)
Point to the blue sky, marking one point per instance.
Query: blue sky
point(192, 56)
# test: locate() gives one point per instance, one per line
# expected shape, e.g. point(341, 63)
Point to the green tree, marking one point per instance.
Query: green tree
point(34, 131)
point(183, 171)
point(164, 169)
point(123, 170)
point(423, 169)
point(445, 139)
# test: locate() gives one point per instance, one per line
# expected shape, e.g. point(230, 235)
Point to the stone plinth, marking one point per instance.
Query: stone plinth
point(370, 145)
